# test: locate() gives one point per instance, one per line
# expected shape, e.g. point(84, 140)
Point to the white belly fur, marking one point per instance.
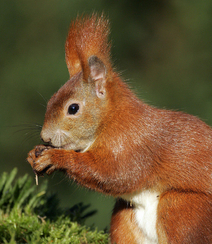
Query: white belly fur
point(146, 204)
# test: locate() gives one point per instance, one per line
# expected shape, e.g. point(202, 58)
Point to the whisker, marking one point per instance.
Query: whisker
point(26, 126)
point(60, 140)
point(65, 137)
point(29, 138)
point(33, 133)
point(44, 98)
point(43, 105)
point(28, 130)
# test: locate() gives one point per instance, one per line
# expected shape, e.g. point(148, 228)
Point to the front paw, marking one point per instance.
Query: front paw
point(40, 159)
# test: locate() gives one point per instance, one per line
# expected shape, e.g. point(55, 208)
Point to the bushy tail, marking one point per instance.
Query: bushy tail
point(87, 36)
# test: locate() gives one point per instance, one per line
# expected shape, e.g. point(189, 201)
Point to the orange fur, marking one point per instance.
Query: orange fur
point(185, 217)
point(87, 37)
point(123, 223)
point(118, 145)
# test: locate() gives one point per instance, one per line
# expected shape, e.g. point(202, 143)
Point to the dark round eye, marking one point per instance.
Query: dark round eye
point(73, 108)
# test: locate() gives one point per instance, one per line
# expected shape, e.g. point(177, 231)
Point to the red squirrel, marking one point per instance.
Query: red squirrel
point(156, 163)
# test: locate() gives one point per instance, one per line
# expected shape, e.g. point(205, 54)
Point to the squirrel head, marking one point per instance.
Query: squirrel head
point(75, 111)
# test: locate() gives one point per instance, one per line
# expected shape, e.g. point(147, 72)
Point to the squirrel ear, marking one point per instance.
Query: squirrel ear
point(98, 74)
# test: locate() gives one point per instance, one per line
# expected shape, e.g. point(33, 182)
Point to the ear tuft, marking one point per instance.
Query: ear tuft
point(87, 36)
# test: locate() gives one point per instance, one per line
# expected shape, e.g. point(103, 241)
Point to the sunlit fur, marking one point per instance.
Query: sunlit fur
point(120, 146)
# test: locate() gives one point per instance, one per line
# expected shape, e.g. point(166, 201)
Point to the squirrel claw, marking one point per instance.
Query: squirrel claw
point(51, 170)
point(39, 149)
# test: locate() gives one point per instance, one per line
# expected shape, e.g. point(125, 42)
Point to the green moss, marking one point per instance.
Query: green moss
point(29, 215)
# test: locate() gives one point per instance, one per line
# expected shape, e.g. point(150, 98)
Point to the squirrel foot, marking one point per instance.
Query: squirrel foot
point(40, 160)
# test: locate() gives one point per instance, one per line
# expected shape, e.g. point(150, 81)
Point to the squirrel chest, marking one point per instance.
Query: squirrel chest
point(145, 209)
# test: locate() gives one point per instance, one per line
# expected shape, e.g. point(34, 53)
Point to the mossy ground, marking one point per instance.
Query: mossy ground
point(29, 215)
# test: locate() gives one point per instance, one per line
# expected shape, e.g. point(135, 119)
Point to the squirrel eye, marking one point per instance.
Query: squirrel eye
point(73, 108)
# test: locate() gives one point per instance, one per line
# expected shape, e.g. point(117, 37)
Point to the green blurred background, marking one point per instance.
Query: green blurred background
point(163, 49)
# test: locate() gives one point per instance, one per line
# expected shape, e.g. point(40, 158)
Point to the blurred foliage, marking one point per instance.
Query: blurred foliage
point(163, 47)
point(29, 215)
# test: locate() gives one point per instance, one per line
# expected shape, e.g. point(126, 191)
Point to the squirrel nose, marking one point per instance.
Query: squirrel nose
point(46, 141)
point(45, 138)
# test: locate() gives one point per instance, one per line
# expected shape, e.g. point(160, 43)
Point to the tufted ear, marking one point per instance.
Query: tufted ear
point(98, 74)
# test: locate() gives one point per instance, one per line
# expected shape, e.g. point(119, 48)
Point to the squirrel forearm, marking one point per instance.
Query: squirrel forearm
point(95, 171)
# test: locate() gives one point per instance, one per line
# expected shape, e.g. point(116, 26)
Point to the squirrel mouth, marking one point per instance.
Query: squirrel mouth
point(65, 147)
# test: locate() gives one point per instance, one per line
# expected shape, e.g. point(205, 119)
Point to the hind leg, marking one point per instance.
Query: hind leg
point(185, 217)
point(124, 229)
